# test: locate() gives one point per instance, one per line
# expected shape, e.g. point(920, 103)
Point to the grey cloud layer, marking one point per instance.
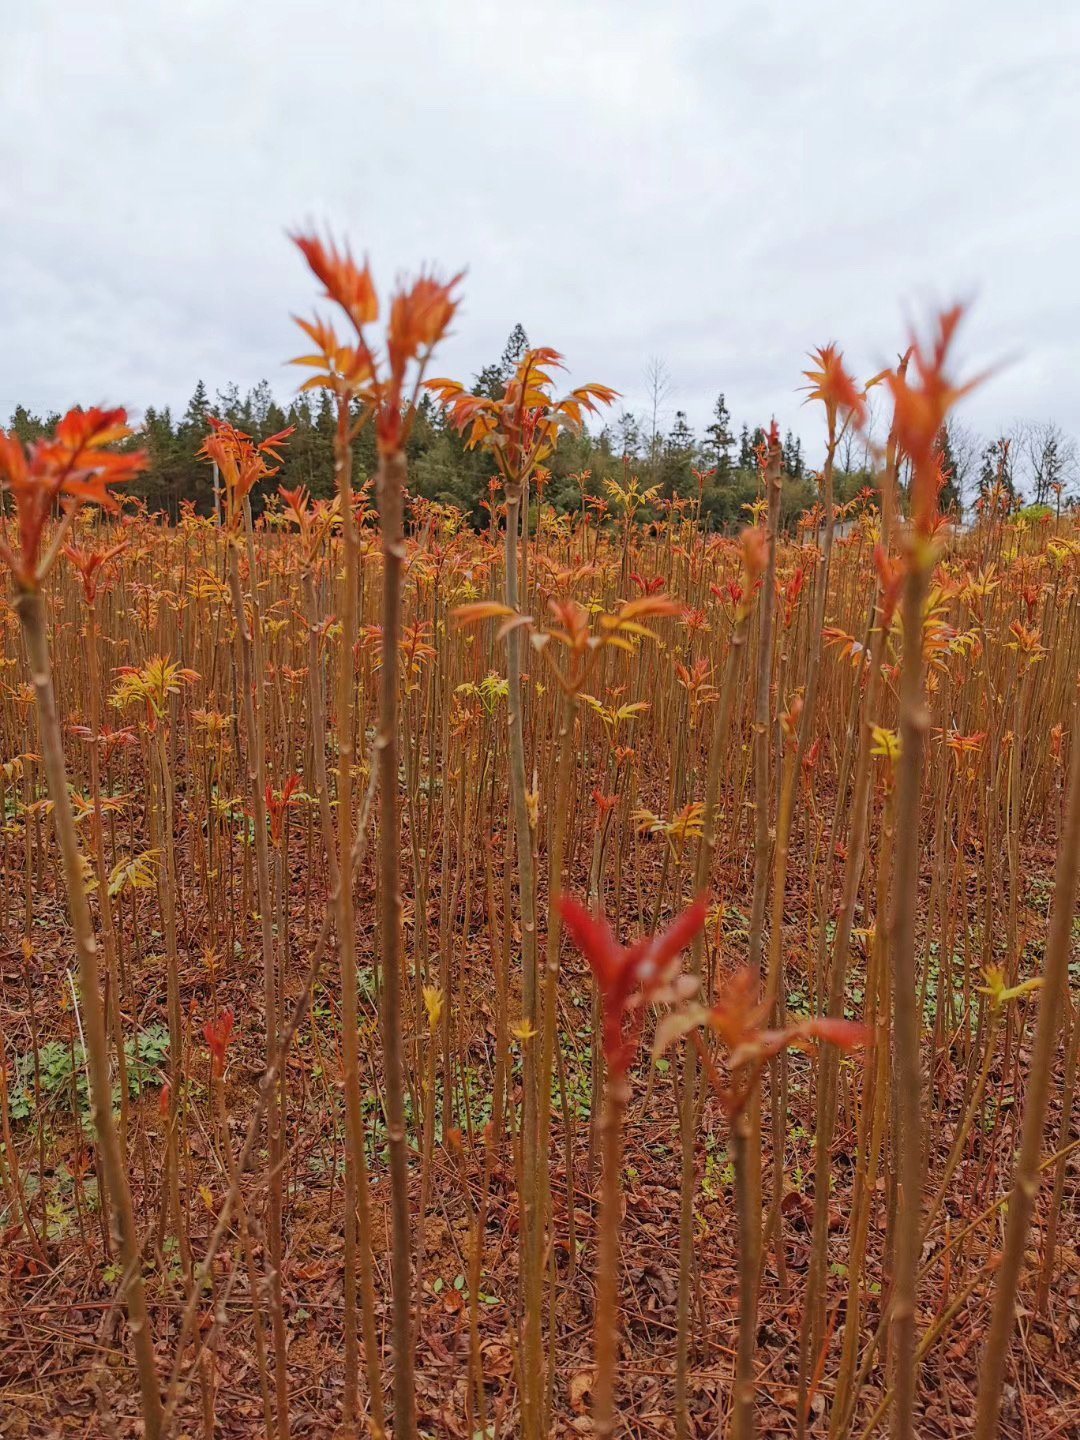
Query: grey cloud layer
point(722, 186)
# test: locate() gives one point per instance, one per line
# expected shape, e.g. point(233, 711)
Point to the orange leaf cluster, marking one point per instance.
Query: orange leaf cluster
point(737, 1019)
point(833, 386)
point(277, 802)
point(89, 562)
point(75, 466)
point(632, 977)
point(420, 316)
point(242, 462)
point(920, 410)
point(218, 1033)
point(521, 428)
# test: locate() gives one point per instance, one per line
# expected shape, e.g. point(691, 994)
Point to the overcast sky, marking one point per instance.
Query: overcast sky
point(720, 185)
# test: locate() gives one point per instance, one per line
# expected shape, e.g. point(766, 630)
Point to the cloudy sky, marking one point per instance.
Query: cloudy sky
point(720, 185)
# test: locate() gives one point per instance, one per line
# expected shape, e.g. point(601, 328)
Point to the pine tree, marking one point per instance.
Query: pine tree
point(304, 462)
point(793, 459)
point(258, 403)
point(746, 448)
point(514, 351)
point(227, 404)
point(198, 409)
point(489, 381)
point(28, 428)
point(628, 435)
point(193, 478)
point(309, 455)
point(719, 441)
point(492, 379)
point(678, 457)
point(168, 478)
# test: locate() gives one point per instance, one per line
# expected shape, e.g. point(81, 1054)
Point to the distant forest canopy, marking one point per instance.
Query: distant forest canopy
point(1036, 462)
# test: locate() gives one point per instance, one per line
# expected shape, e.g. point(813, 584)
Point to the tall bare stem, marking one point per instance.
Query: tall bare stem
point(391, 489)
point(1026, 1178)
point(30, 608)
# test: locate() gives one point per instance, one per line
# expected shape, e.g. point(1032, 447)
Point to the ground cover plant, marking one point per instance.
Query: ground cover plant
point(585, 973)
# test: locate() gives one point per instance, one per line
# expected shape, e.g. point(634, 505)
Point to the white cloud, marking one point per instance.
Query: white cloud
point(723, 186)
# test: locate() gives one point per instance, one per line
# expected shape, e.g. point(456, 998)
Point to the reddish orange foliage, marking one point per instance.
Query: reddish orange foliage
point(891, 571)
point(522, 428)
point(242, 462)
point(277, 803)
point(89, 562)
point(920, 410)
point(218, 1033)
point(420, 315)
point(346, 283)
point(833, 386)
point(632, 977)
point(738, 1018)
point(73, 466)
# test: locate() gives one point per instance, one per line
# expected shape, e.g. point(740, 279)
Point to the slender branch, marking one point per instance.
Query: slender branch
point(391, 488)
point(30, 608)
point(1026, 1180)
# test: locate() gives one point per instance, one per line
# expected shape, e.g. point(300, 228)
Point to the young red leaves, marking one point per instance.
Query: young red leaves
point(833, 386)
point(572, 631)
point(75, 466)
point(891, 572)
point(420, 315)
point(738, 1022)
point(277, 802)
point(346, 283)
point(242, 462)
point(522, 427)
point(218, 1033)
point(89, 562)
point(631, 977)
point(920, 410)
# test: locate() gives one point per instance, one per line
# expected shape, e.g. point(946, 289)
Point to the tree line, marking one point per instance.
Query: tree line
point(1033, 461)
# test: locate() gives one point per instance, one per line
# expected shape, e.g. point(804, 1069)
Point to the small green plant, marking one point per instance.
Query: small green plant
point(60, 1065)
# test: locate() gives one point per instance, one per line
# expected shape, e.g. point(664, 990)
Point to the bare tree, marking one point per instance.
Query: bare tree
point(871, 435)
point(1045, 456)
point(851, 452)
point(658, 391)
point(966, 447)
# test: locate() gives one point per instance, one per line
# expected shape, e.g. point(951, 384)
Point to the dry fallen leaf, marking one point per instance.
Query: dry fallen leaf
point(581, 1383)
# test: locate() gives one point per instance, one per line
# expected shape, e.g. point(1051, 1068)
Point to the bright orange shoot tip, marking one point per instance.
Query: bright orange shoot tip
point(296, 500)
point(75, 465)
point(591, 934)
point(89, 562)
point(755, 546)
point(633, 976)
point(891, 572)
point(651, 607)
point(680, 932)
point(419, 317)
point(522, 427)
point(833, 386)
point(242, 462)
point(348, 284)
point(920, 409)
